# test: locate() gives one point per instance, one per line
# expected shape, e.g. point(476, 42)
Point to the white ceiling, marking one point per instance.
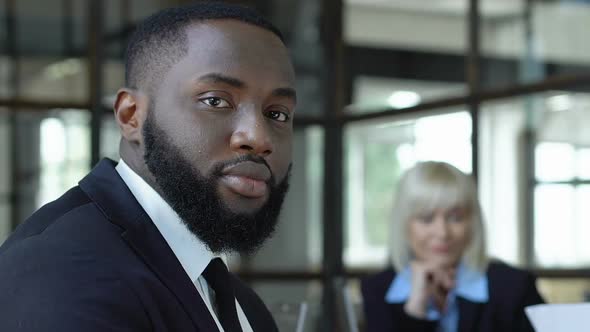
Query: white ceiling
point(559, 28)
point(489, 8)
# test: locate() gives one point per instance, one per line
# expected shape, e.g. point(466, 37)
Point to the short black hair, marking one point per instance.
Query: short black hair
point(160, 40)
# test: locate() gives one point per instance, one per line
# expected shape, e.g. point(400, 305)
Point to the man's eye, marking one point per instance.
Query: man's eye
point(215, 102)
point(278, 116)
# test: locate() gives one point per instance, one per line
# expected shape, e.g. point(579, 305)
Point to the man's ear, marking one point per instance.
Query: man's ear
point(131, 108)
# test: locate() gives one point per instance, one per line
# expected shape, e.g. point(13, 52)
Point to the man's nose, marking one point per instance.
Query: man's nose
point(251, 134)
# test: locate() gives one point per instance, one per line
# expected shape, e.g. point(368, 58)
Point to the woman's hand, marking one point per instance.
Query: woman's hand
point(429, 282)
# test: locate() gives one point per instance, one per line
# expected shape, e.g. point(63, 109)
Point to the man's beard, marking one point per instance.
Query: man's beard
point(195, 198)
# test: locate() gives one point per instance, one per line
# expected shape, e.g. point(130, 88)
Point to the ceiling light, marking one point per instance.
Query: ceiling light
point(61, 69)
point(403, 99)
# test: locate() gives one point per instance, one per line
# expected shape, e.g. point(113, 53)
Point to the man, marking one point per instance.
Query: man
point(206, 126)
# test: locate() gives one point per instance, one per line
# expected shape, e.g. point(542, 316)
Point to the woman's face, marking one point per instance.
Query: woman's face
point(440, 237)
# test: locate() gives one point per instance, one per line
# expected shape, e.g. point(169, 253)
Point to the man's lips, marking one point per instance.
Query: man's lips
point(248, 179)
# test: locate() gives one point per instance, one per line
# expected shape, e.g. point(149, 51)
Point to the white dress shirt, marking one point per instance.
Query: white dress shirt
point(191, 252)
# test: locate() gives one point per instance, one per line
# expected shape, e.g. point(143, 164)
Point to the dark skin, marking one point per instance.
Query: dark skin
point(233, 94)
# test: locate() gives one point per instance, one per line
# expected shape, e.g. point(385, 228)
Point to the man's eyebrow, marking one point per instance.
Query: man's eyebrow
point(237, 83)
point(285, 92)
point(220, 78)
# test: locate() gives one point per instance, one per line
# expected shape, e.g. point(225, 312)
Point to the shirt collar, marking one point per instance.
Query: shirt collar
point(192, 253)
point(471, 285)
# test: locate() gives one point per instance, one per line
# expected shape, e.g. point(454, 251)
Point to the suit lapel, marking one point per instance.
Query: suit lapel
point(259, 317)
point(104, 186)
point(149, 245)
point(469, 314)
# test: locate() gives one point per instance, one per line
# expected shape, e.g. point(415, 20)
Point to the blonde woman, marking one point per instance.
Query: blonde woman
point(442, 279)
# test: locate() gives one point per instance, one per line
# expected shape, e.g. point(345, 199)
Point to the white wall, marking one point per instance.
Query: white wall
point(560, 29)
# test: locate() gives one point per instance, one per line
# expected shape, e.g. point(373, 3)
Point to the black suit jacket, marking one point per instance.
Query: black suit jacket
point(510, 290)
point(93, 261)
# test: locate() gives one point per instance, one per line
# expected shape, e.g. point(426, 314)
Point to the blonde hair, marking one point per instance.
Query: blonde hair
point(429, 186)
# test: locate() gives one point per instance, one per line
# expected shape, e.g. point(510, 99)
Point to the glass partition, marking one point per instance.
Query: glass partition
point(403, 53)
point(529, 41)
point(284, 299)
point(299, 232)
point(534, 178)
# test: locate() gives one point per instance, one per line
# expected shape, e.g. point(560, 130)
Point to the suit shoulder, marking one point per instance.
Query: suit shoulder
point(70, 230)
point(509, 284)
point(377, 284)
point(499, 272)
point(70, 200)
point(47, 216)
point(60, 265)
point(61, 290)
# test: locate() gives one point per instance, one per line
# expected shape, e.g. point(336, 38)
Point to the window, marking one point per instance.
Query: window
point(562, 193)
point(65, 157)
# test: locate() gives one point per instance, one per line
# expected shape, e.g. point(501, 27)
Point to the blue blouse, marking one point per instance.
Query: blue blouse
point(470, 285)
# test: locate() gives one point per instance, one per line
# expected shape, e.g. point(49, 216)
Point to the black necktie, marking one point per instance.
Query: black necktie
point(218, 278)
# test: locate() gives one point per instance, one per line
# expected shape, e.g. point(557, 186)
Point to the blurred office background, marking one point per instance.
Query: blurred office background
point(499, 88)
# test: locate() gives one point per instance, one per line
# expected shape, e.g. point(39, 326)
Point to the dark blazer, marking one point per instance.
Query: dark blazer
point(510, 290)
point(93, 261)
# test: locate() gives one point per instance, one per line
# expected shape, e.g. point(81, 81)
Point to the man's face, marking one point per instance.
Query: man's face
point(221, 120)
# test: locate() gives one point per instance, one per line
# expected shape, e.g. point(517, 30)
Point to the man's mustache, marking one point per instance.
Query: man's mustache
point(220, 166)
